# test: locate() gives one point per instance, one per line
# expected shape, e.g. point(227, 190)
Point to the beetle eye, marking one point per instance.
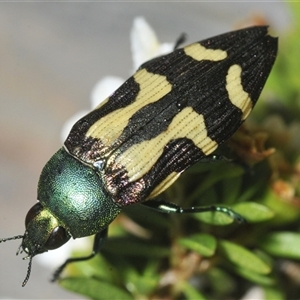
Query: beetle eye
point(33, 212)
point(57, 238)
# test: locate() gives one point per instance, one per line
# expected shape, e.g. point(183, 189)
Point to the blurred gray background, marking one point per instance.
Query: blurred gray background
point(51, 56)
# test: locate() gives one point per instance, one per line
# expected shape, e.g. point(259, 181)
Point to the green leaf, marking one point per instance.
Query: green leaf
point(273, 293)
point(217, 174)
point(282, 244)
point(231, 189)
point(123, 266)
point(264, 280)
point(284, 212)
point(253, 212)
point(261, 279)
point(94, 289)
point(143, 283)
point(97, 266)
point(222, 282)
point(134, 247)
point(214, 217)
point(243, 258)
point(205, 244)
point(190, 292)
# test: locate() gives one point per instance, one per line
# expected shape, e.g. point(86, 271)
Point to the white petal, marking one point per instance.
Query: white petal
point(104, 88)
point(254, 293)
point(145, 44)
point(165, 48)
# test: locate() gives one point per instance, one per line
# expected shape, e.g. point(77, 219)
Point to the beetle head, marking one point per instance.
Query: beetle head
point(75, 194)
point(43, 232)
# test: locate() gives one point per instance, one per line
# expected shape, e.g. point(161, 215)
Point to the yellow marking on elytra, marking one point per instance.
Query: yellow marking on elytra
point(139, 158)
point(236, 93)
point(169, 180)
point(152, 88)
point(199, 52)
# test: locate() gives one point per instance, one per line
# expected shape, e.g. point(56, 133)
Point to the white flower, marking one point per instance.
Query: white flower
point(254, 293)
point(55, 258)
point(145, 44)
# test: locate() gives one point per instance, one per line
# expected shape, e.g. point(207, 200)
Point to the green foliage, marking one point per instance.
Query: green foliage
point(243, 258)
point(285, 80)
point(207, 255)
point(282, 244)
point(95, 289)
point(204, 244)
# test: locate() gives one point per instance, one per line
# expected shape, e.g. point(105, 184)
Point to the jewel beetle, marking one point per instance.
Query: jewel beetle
point(173, 112)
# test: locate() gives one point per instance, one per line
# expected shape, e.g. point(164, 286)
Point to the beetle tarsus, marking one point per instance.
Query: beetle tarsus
point(98, 242)
point(57, 273)
point(169, 207)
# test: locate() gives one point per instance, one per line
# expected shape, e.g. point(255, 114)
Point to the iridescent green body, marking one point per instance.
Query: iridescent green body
point(73, 192)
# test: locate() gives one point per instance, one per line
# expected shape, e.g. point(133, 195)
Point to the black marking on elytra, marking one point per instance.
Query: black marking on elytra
point(177, 156)
point(200, 85)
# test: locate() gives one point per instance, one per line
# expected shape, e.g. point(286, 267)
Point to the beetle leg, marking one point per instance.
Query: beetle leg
point(180, 40)
point(98, 242)
point(171, 208)
point(215, 158)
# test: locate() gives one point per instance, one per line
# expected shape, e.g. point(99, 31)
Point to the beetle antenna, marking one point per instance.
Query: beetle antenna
point(28, 271)
point(16, 237)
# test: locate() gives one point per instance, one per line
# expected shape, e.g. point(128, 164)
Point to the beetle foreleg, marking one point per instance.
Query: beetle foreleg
point(98, 242)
